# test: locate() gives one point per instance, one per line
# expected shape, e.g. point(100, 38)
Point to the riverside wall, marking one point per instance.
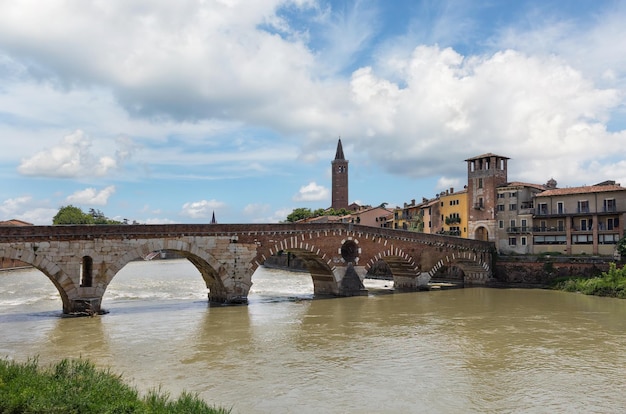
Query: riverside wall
point(543, 270)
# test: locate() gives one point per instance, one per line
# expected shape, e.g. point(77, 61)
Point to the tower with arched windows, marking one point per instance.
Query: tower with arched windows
point(484, 174)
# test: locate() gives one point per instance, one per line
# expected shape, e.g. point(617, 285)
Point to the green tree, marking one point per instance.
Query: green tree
point(299, 214)
point(71, 215)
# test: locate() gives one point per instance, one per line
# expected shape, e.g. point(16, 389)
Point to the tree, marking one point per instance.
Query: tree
point(299, 214)
point(73, 215)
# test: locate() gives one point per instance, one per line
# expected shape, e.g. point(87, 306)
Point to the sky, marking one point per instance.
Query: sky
point(160, 111)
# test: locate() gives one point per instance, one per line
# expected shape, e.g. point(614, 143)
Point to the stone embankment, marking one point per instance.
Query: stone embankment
point(543, 270)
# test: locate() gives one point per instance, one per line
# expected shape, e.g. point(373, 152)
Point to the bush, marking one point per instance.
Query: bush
point(76, 386)
point(611, 283)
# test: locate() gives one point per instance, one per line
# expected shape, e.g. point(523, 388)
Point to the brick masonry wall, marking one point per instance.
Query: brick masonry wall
point(541, 271)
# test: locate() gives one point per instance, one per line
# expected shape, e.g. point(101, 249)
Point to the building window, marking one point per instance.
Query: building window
point(501, 195)
point(612, 223)
point(542, 209)
point(512, 194)
point(559, 208)
point(583, 206)
point(609, 205)
point(586, 224)
point(512, 241)
point(501, 224)
point(524, 242)
point(582, 239)
point(608, 238)
point(549, 240)
point(480, 183)
point(500, 207)
point(512, 207)
point(560, 224)
point(512, 223)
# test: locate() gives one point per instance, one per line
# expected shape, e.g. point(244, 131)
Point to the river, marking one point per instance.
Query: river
point(441, 351)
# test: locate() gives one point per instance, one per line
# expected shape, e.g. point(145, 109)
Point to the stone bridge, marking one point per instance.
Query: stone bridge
point(81, 260)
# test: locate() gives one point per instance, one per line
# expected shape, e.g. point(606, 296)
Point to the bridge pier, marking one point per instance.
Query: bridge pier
point(351, 280)
point(85, 306)
point(411, 283)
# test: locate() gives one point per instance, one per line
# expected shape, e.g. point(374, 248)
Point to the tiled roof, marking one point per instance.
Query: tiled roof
point(15, 222)
point(588, 189)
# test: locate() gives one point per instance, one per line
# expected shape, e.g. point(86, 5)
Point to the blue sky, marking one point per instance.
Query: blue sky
point(165, 112)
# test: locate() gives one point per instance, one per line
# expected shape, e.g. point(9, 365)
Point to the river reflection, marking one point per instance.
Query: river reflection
point(453, 351)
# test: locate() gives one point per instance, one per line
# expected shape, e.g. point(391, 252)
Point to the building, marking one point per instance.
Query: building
point(514, 214)
point(484, 174)
point(579, 220)
point(339, 172)
point(6, 264)
point(453, 213)
point(371, 216)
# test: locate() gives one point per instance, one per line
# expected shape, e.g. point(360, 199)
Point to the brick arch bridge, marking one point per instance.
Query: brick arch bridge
point(82, 260)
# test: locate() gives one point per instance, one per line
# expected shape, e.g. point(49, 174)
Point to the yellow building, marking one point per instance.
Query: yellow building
point(453, 213)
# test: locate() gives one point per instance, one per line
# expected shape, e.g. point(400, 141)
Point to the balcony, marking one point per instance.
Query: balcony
point(519, 229)
point(453, 220)
point(552, 229)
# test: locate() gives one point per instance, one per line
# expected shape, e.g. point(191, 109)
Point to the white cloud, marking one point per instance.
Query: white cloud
point(27, 209)
point(452, 108)
point(201, 209)
point(72, 158)
point(91, 196)
point(445, 183)
point(312, 192)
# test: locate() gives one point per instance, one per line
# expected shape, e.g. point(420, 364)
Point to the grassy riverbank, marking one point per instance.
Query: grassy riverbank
point(76, 386)
point(611, 283)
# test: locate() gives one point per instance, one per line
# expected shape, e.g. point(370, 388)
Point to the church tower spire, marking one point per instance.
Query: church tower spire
point(339, 179)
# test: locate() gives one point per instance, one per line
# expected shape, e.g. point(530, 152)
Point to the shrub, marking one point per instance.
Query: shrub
point(611, 283)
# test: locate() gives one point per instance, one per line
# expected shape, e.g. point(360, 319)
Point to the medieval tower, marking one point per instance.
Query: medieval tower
point(484, 174)
point(339, 179)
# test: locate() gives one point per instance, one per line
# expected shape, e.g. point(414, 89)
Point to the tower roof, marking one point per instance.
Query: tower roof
point(339, 155)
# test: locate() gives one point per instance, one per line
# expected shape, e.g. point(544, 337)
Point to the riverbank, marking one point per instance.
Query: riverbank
point(76, 386)
point(611, 283)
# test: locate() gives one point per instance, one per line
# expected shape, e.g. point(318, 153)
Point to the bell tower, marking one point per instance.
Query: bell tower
point(339, 179)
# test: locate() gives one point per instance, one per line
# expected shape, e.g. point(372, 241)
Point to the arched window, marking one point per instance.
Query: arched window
point(86, 272)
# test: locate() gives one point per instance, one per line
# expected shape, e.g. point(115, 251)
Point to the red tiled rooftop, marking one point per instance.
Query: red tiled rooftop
point(588, 189)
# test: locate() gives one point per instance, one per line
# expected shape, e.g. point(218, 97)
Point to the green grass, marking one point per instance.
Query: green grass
point(611, 283)
point(76, 386)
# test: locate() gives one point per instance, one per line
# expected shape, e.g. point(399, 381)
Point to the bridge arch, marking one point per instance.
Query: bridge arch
point(207, 265)
point(403, 266)
point(50, 269)
point(319, 263)
point(475, 269)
